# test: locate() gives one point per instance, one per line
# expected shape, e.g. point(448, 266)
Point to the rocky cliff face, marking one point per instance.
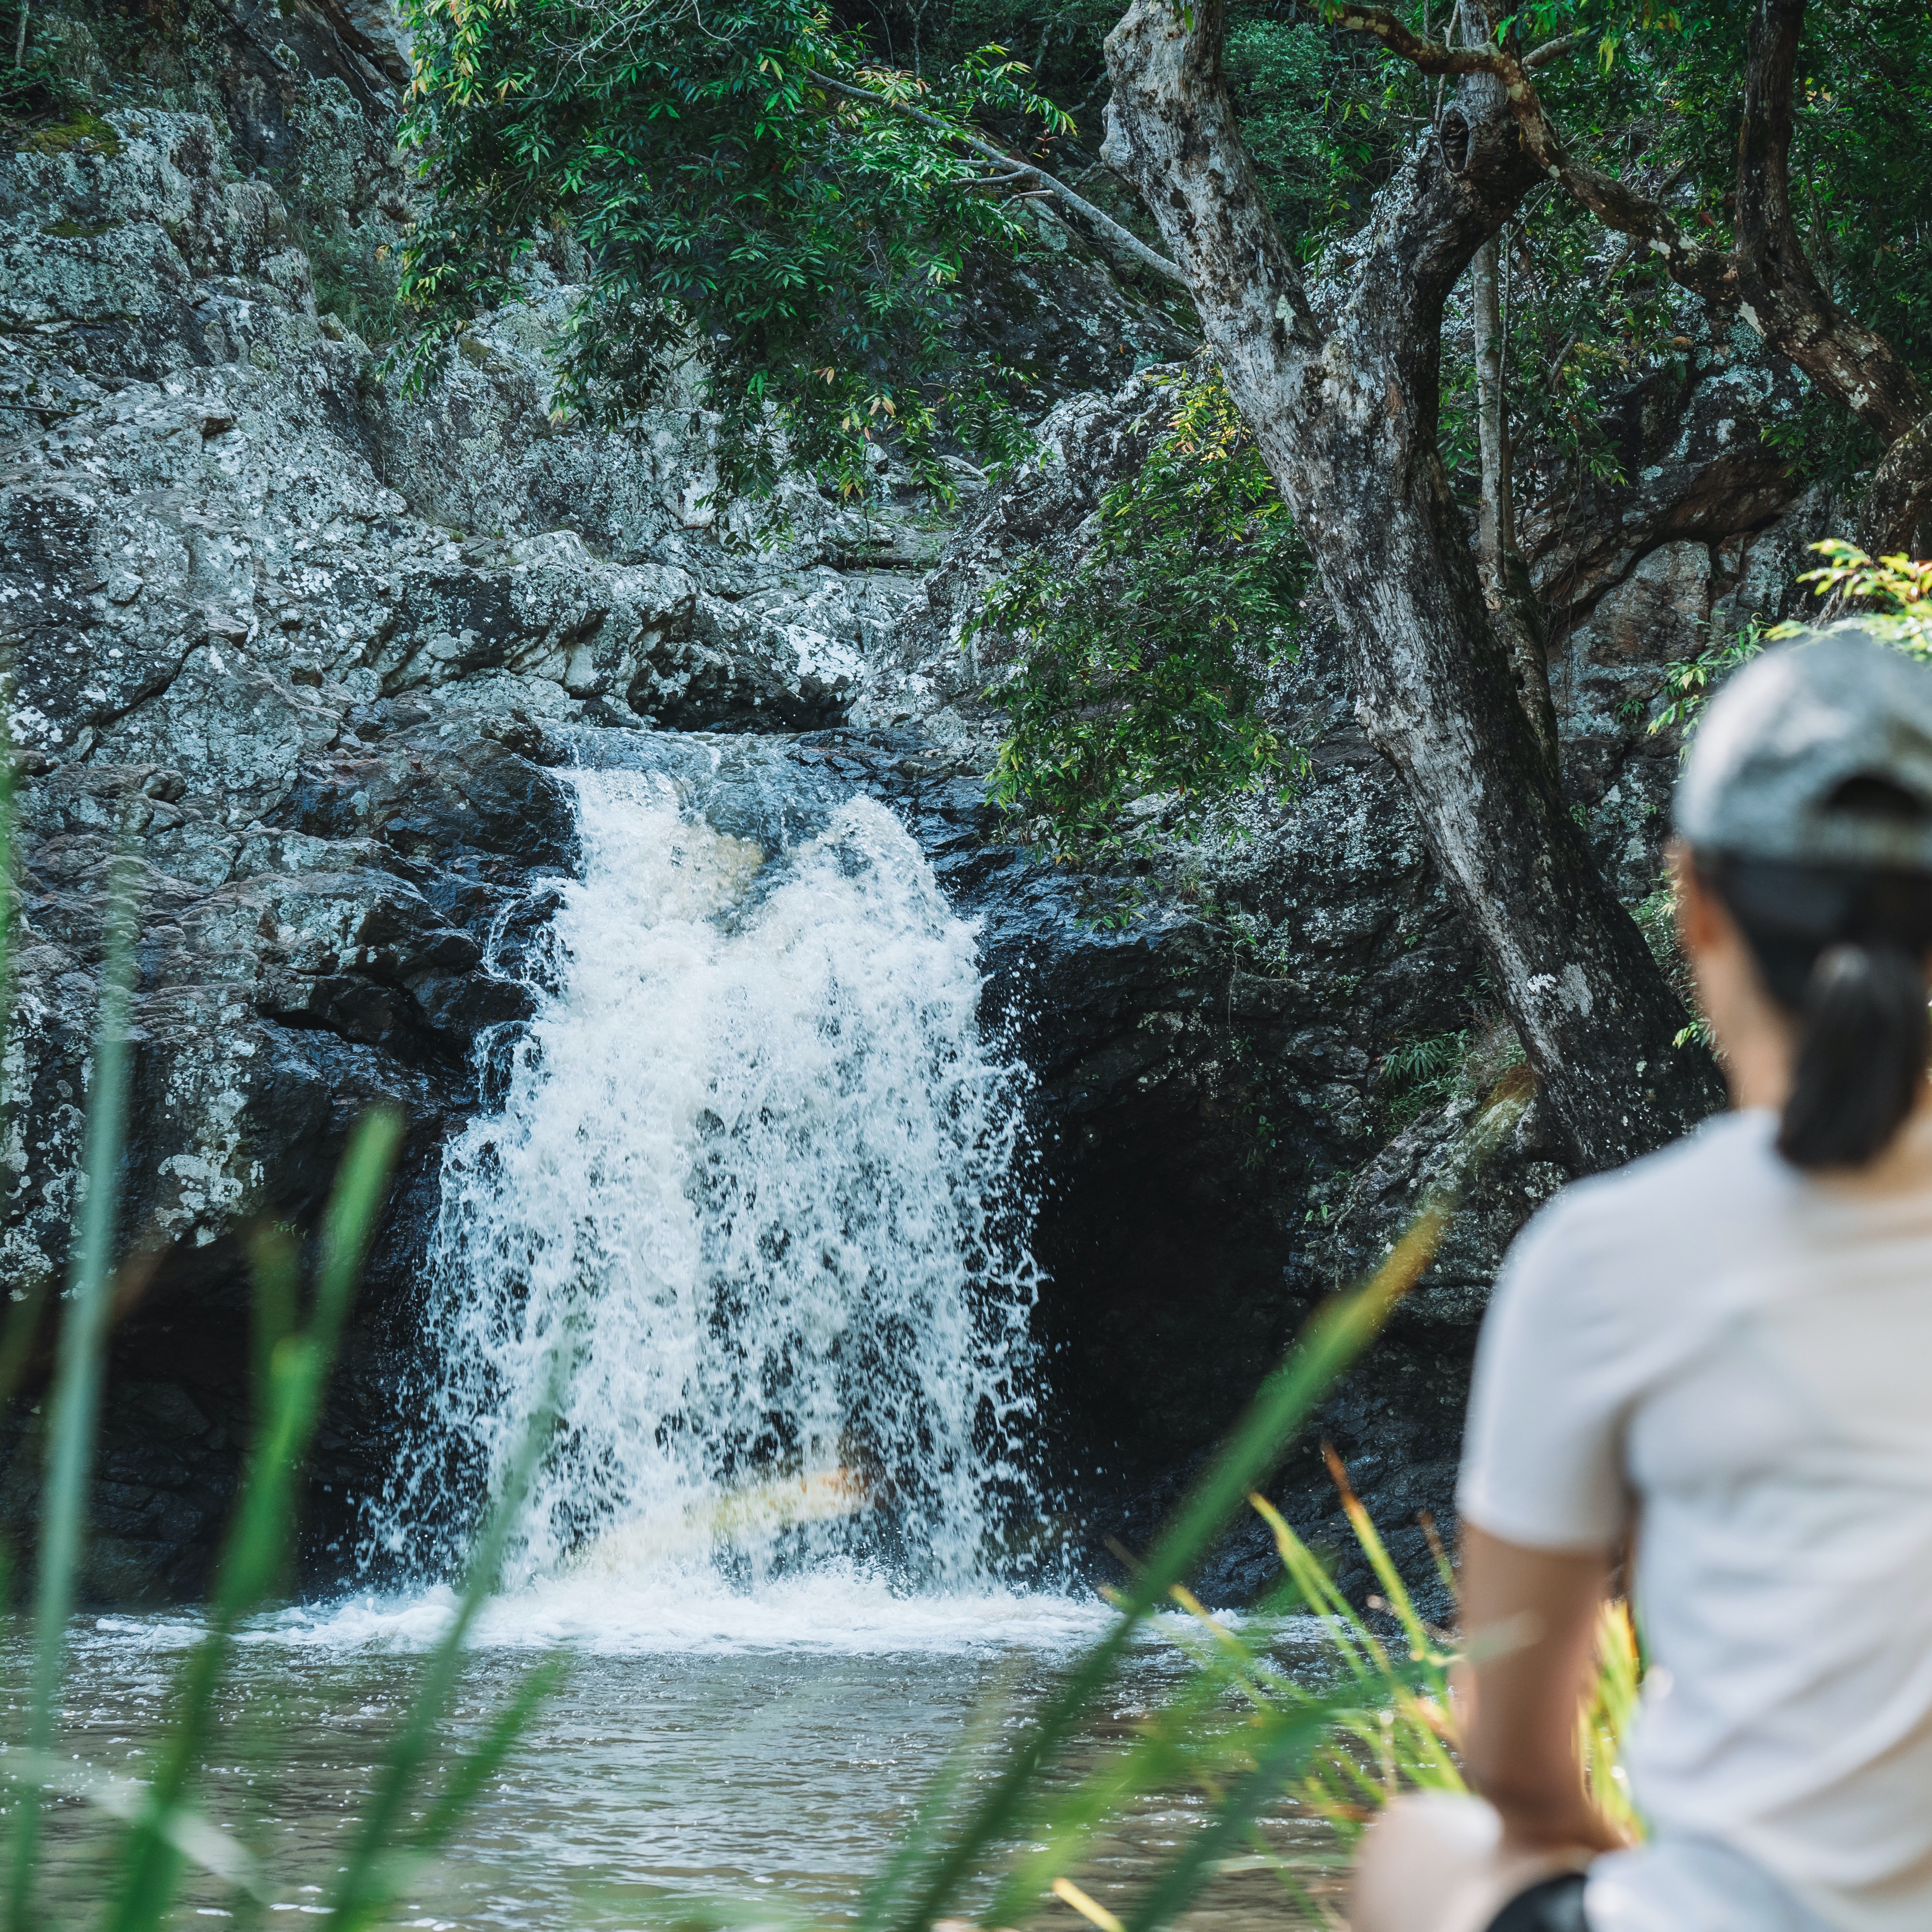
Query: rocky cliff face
point(311, 650)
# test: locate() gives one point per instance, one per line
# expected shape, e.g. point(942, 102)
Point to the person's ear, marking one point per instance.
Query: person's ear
point(1702, 919)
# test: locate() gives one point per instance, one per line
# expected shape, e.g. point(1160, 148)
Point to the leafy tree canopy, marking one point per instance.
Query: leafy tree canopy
point(756, 203)
point(753, 200)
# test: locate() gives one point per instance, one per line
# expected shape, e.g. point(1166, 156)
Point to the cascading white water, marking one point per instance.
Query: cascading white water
point(756, 1171)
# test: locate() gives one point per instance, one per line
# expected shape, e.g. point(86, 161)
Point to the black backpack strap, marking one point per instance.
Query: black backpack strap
point(1551, 1905)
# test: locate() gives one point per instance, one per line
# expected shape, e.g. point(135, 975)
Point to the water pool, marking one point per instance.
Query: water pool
point(766, 1751)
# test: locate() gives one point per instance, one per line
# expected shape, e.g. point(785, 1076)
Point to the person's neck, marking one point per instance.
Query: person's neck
point(1757, 1070)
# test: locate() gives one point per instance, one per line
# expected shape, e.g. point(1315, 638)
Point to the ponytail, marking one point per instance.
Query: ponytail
point(1843, 952)
point(1860, 1057)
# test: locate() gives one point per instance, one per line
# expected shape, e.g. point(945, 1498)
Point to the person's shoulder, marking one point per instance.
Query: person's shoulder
point(1673, 1200)
point(1729, 1152)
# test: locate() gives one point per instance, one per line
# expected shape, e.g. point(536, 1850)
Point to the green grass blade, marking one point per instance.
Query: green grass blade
point(1174, 1748)
point(1445, 1571)
point(79, 1365)
point(349, 1224)
point(1313, 1910)
point(295, 1375)
point(1396, 1592)
point(1182, 1741)
point(1290, 1740)
point(395, 1871)
point(23, 1316)
point(362, 1893)
point(274, 1259)
point(1336, 1335)
point(198, 1840)
point(1351, 1640)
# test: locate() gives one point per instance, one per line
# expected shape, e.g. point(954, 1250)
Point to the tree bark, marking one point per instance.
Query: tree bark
point(1339, 381)
point(1508, 595)
point(1496, 537)
point(1506, 588)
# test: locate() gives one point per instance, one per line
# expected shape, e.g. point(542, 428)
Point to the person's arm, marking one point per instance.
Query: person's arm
point(1519, 1707)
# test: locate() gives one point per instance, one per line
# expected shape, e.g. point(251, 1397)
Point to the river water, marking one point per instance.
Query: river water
point(753, 1192)
point(766, 1758)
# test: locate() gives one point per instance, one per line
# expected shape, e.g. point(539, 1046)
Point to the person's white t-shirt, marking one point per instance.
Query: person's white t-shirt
point(1736, 1360)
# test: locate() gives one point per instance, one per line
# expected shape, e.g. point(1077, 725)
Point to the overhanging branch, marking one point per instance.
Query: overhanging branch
point(1111, 230)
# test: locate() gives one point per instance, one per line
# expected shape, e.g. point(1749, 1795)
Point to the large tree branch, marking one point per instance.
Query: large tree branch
point(1226, 245)
point(1782, 297)
point(1111, 230)
point(1616, 205)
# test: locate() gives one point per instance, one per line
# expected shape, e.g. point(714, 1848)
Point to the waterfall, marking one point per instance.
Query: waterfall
point(756, 1174)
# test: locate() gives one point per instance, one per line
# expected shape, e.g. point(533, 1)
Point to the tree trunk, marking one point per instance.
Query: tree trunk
point(1496, 537)
point(1506, 594)
point(1339, 383)
point(1506, 589)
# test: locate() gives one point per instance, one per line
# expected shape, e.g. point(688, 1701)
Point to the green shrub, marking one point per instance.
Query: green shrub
point(1140, 670)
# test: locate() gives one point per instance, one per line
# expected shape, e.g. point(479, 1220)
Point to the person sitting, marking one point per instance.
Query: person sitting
point(1716, 1365)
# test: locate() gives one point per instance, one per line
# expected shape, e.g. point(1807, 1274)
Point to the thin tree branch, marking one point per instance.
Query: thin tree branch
point(1704, 270)
point(1111, 230)
point(1551, 50)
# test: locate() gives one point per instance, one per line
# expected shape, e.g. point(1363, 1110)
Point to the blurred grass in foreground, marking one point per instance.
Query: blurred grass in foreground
point(407, 1817)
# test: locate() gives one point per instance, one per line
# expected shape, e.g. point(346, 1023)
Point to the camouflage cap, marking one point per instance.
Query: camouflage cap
point(1818, 753)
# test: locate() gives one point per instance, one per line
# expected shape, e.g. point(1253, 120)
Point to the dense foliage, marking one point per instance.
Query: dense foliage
point(1653, 93)
point(754, 206)
point(1596, 335)
point(1140, 667)
point(1661, 104)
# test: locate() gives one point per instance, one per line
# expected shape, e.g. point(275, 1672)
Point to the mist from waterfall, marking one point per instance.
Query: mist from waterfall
point(757, 1176)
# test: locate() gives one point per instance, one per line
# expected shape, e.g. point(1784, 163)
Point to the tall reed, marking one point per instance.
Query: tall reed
point(405, 1821)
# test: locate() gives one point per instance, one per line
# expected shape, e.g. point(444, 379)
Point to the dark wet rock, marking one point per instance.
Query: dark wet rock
point(1065, 322)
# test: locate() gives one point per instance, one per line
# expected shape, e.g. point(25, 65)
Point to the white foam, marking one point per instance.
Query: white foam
point(837, 1608)
point(754, 1172)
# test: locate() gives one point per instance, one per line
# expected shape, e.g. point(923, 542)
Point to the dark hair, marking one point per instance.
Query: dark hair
point(1843, 952)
